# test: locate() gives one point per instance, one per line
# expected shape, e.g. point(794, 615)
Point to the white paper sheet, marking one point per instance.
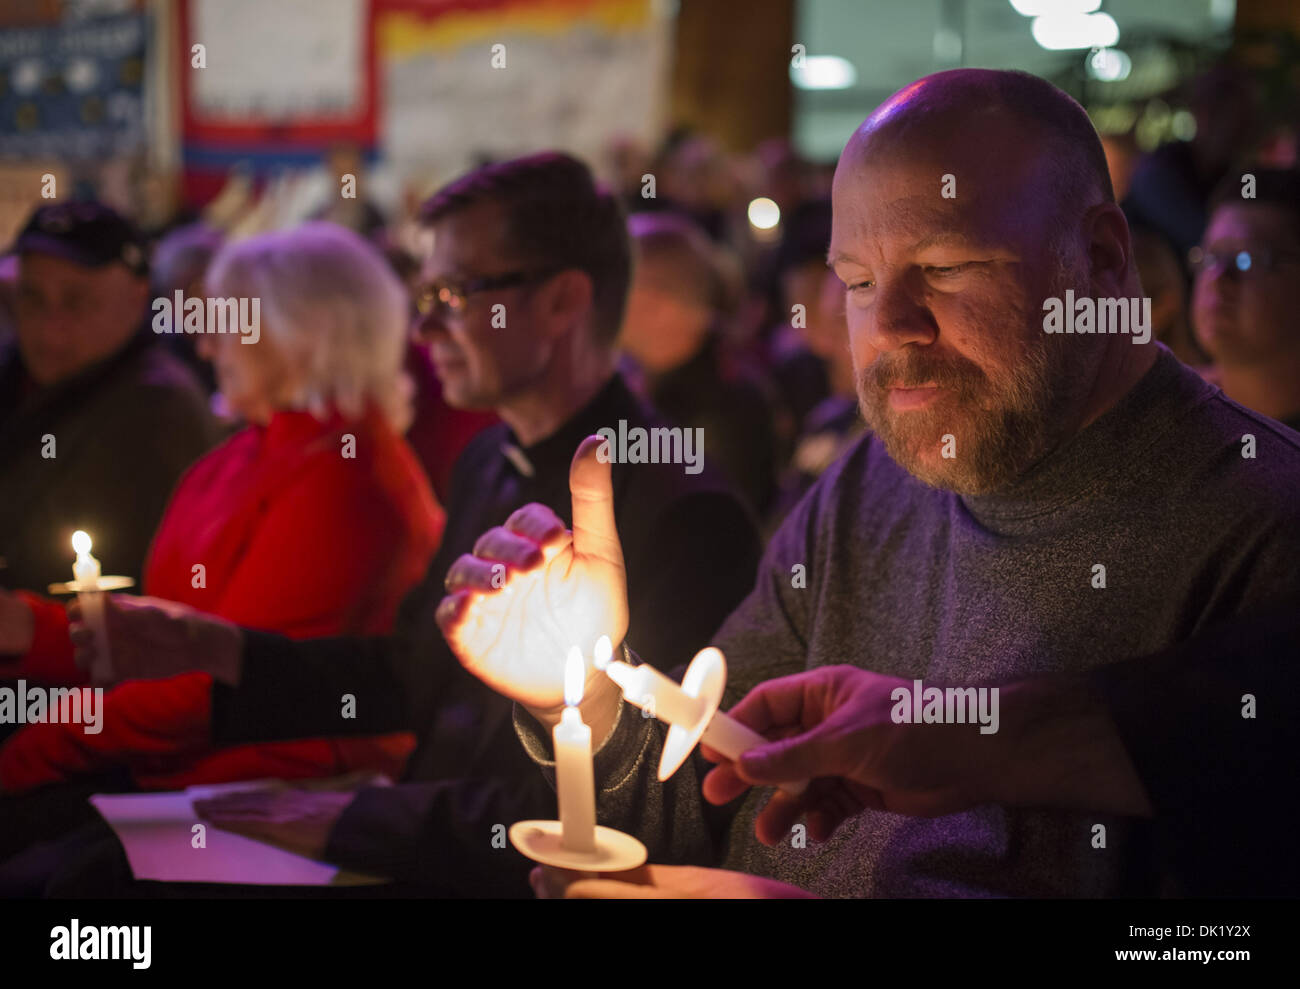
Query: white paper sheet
point(156, 831)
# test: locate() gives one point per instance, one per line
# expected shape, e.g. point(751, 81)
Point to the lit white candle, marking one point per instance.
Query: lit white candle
point(730, 737)
point(649, 689)
point(666, 700)
point(575, 782)
point(86, 573)
point(86, 570)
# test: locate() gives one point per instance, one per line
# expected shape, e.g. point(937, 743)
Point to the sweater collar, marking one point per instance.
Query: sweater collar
point(1094, 461)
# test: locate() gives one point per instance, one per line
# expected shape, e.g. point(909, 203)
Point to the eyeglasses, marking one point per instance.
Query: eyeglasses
point(1260, 260)
point(449, 298)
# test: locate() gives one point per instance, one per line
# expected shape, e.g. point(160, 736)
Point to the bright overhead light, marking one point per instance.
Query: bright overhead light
point(1109, 64)
point(824, 72)
point(1037, 8)
point(947, 46)
point(1223, 12)
point(1060, 32)
point(1183, 125)
point(764, 214)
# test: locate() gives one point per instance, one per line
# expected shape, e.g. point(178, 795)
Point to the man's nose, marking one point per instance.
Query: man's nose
point(428, 326)
point(898, 317)
point(1219, 280)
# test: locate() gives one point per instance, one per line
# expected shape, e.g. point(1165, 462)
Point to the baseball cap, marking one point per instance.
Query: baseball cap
point(86, 233)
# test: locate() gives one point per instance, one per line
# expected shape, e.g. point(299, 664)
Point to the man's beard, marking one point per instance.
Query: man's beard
point(999, 429)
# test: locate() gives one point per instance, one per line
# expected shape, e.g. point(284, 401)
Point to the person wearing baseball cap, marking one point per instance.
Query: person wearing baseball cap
point(97, 420)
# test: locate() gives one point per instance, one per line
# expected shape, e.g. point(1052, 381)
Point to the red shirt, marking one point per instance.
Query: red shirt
point(276, 529)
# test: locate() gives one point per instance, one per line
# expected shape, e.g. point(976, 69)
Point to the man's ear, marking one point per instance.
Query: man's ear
point(567, 299)
point(1110, 251)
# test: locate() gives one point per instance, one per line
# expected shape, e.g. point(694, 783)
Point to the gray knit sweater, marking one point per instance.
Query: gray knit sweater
point(922, 583)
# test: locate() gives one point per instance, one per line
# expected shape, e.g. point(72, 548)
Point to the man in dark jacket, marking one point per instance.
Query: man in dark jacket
point(523, 298)
point(97, 420)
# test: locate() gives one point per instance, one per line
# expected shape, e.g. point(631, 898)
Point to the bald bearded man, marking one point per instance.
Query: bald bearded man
point(1026, 501)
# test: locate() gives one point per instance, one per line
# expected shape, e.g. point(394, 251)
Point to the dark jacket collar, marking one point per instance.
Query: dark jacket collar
point(554, 453)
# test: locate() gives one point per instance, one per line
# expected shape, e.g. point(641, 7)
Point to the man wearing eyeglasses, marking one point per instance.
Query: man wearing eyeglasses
point(520, 303)
point(1247, 291)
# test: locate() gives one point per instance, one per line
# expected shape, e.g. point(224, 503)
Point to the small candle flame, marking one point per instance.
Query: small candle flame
point(81, 542)
point(575, 672)
point(603, 652)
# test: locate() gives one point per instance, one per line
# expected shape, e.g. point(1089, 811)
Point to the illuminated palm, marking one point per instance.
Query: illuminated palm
point(515, 637)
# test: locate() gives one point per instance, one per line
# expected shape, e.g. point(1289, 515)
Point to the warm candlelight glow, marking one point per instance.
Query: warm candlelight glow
point(85, 571)
point(575, 673)
point(690, 708)
point(575, 784)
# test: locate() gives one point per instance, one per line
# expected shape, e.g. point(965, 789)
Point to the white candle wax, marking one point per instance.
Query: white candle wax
point(575, 782)
point(651, 691)
point(729, 737)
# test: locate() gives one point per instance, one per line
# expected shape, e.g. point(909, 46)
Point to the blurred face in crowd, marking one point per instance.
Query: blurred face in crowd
point(254, 379)
point(481, 365)
point(943, 296)
point(1244, 317)
point(664, 326)
point(823, 331)
point(71, 316)
point(698, 176)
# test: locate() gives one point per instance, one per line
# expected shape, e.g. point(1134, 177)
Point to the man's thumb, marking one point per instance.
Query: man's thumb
point(592, 487)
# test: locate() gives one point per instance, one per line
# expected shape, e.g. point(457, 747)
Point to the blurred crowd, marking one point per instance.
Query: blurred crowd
point(389, 413)
point(732, 322)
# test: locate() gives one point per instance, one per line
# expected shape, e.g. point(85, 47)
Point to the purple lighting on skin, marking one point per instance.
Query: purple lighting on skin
point(887, 110)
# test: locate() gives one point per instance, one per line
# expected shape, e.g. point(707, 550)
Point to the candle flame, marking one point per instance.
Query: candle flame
point(575, 672)
point(603, 652)
point(81, 542)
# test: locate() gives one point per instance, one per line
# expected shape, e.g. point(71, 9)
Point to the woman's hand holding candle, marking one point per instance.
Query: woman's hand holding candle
point(156, 638)
point(531, 590)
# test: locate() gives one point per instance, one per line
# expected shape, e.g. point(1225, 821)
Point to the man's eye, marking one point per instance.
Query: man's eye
point(945, 270)
point(861, 285)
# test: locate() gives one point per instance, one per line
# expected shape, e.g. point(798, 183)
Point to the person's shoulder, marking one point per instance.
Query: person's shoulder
point(154, 397)
point(1257, 453)
point(154, 369)
point(1224, 433)
point(1226, 464)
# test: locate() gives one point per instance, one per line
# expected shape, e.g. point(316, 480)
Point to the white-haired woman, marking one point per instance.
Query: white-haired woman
point(312, 520)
